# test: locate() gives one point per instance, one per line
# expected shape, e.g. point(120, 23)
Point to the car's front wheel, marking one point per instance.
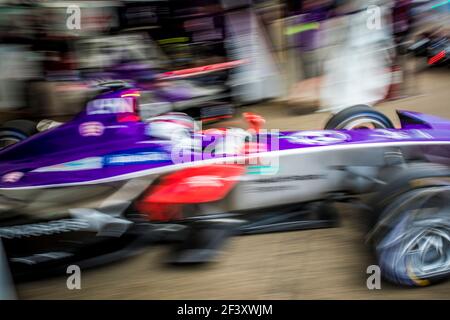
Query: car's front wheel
point(14, 131)
point(358, 117)
point(411, 236)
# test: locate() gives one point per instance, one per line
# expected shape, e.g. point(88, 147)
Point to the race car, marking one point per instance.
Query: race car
point(435, 47)
point(107, 183)
point(198, 92)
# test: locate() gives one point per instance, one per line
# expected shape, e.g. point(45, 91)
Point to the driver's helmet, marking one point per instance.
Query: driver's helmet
point(174, 126)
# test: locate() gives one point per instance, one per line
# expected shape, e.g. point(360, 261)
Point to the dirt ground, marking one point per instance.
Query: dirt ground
point(316, 264)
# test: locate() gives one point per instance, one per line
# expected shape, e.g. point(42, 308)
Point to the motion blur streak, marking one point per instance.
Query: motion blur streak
point(162, 129)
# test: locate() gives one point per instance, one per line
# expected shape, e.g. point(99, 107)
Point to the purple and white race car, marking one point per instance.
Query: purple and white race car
point(108, 182)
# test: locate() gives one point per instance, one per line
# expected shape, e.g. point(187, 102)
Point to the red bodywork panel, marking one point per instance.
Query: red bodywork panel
point(193, 185)
point(196, 185)
point(437, 57)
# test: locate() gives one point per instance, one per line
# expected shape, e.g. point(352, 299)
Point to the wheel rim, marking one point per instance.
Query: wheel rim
point(361, 122)
point(7, 141)
point(430, 253)
point(421, 240)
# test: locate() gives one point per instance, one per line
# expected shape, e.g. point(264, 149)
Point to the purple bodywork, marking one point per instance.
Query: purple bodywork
point(92, 147)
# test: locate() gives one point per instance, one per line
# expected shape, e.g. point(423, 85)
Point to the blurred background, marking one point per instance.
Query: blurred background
point(297, 61)
point(312, 55)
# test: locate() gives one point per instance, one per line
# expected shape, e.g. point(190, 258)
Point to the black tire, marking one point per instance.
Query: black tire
point(345, 118)
point(411, 220)
point(15, 131)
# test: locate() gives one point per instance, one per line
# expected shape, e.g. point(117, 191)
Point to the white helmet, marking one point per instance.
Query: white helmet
point(171, 126)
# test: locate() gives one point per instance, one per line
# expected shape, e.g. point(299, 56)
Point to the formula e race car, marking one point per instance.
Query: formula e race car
point(109, 182)
point(435, 47)
point(199, 92)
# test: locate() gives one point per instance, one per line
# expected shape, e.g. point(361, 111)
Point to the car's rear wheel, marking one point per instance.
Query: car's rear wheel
point(14, 131)
point(411, 236)
point(358, 117)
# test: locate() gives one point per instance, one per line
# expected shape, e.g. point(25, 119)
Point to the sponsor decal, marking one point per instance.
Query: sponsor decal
point(204, 181)
point(323, 137)
point(263, 170)
point(12, 177)
point(91, 129)
point(395, 135)
point(267, 189)
point(279, 183)
point(45, 228)
point(291, 178)
point(111, 106)
point(135, 158)
point(77, 165)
